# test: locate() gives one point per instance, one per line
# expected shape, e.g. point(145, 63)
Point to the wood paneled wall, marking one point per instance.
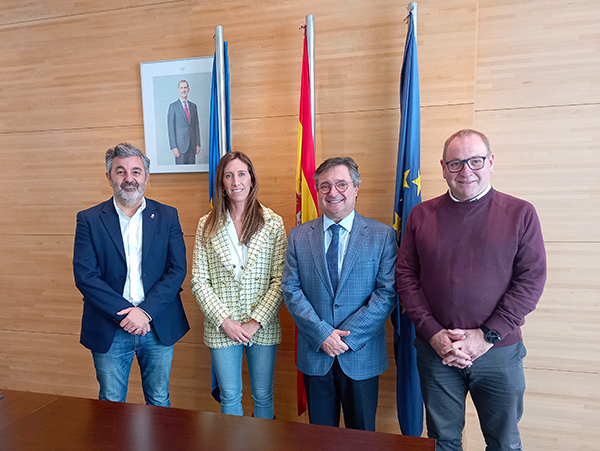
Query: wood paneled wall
point(524, 72)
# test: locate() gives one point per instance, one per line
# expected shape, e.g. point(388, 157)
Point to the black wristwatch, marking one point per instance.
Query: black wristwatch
point(491, 336)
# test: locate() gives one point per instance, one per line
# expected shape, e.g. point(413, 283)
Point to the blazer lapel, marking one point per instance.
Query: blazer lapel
point(110, 219)
point(317, 248)
point(149, 221)
point(220, 244)
point(355, 242)
point(255, 245)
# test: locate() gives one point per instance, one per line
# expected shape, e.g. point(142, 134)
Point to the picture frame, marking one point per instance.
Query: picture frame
point(163, 114)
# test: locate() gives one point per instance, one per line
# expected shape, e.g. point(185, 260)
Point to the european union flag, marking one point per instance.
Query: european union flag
point(214, 154)
point(408, 193)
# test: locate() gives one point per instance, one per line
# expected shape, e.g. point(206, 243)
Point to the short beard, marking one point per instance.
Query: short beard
point(128, 199)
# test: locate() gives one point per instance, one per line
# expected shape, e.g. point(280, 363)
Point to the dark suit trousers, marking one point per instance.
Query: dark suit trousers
point(358, 399)
point(187, 158)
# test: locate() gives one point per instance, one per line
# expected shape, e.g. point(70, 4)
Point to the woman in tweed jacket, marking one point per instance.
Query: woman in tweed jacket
point(236, 279)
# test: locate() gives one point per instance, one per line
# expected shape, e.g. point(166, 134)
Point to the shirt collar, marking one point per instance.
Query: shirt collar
point(483, 193)
point(122, 213)
point(346, 223)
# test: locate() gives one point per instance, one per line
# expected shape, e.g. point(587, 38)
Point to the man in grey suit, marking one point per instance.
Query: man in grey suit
point(338, 285)
point(183, 126)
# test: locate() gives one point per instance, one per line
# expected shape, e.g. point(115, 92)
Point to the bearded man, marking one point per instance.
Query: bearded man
point(129, 264)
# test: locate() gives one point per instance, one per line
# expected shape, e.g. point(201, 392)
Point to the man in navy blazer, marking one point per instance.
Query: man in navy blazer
point(129, 263)
point(183, 127)
point(338, 285)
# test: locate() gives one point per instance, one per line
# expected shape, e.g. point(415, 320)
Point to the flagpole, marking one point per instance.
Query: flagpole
point(310, 42)
point(412, 7)
point(220, 66)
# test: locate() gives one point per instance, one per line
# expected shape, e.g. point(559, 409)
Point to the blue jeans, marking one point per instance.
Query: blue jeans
point(227, 364)
point(154, 358)
point(496, 383)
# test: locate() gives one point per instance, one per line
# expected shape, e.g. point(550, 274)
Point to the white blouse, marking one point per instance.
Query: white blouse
point(238, 251)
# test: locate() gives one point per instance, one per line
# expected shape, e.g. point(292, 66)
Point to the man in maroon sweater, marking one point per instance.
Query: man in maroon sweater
point(471, 265)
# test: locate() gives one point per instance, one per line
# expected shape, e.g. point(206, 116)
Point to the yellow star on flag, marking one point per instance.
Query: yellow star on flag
point(397, 222)
point(416, 181)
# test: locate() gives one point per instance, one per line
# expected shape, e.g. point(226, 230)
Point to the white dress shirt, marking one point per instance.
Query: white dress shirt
point(131, 232)
point(483, 193)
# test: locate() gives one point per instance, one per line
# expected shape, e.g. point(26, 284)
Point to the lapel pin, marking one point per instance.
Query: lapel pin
point(152, 216)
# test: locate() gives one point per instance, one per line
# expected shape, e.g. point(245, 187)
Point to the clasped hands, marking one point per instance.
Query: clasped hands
point(238, 332)
point(460, 347)
point(334, 345)
point(136, 322)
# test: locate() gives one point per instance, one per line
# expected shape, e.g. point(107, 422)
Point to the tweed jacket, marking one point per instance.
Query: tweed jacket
point(257, 295)
point(364, 299)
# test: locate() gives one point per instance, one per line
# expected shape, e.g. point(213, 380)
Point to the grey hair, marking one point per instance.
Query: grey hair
point(330, 163)
point(463, 134)
point(125, 150)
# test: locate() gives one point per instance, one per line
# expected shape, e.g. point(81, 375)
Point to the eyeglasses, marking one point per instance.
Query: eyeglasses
point(474, 163)
point(341, 187)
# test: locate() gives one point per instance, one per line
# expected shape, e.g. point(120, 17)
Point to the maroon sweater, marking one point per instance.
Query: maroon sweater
point(468, 264)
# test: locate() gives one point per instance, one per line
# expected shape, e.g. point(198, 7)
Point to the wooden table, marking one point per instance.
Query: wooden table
point(34, 421)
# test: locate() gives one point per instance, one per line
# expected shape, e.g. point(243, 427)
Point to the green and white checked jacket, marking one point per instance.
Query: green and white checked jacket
point(257, 295)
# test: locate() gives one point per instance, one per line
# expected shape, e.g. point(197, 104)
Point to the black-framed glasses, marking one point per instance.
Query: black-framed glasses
point(341, 186)
point(474, 163)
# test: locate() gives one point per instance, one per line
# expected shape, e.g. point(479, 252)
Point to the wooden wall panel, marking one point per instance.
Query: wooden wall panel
point(447, 48)
point(562, 411)
point(38, 292)
point(47, 363)
point(550, 157)
point(18, 12)
point(558, 334)
point(554, 419)
point(537, 53)
point(82, 67)
point(268, 47)
point(87, 66)
point(60, 173)
point(56, 174)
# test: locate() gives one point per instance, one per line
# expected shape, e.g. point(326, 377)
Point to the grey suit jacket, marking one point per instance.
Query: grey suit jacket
point(364, 299)
point(183, 135)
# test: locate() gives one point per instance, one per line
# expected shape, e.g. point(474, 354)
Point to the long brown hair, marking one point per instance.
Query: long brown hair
point(253, 219)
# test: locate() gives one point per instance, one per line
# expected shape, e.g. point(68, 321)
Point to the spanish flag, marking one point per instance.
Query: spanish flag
point(306, 192)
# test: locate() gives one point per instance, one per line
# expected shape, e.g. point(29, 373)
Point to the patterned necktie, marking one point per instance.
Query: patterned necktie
point(332, 255)
point(187, 111)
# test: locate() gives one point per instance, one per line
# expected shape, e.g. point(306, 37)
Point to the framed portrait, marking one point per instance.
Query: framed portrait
point(176, 106)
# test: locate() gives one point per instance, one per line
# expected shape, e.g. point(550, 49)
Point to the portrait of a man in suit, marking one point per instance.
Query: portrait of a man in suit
point(183, 127)
point(338, 285)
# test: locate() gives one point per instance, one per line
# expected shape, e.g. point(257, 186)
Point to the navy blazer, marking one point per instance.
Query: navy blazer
point(100, 270)
point(364, 299)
